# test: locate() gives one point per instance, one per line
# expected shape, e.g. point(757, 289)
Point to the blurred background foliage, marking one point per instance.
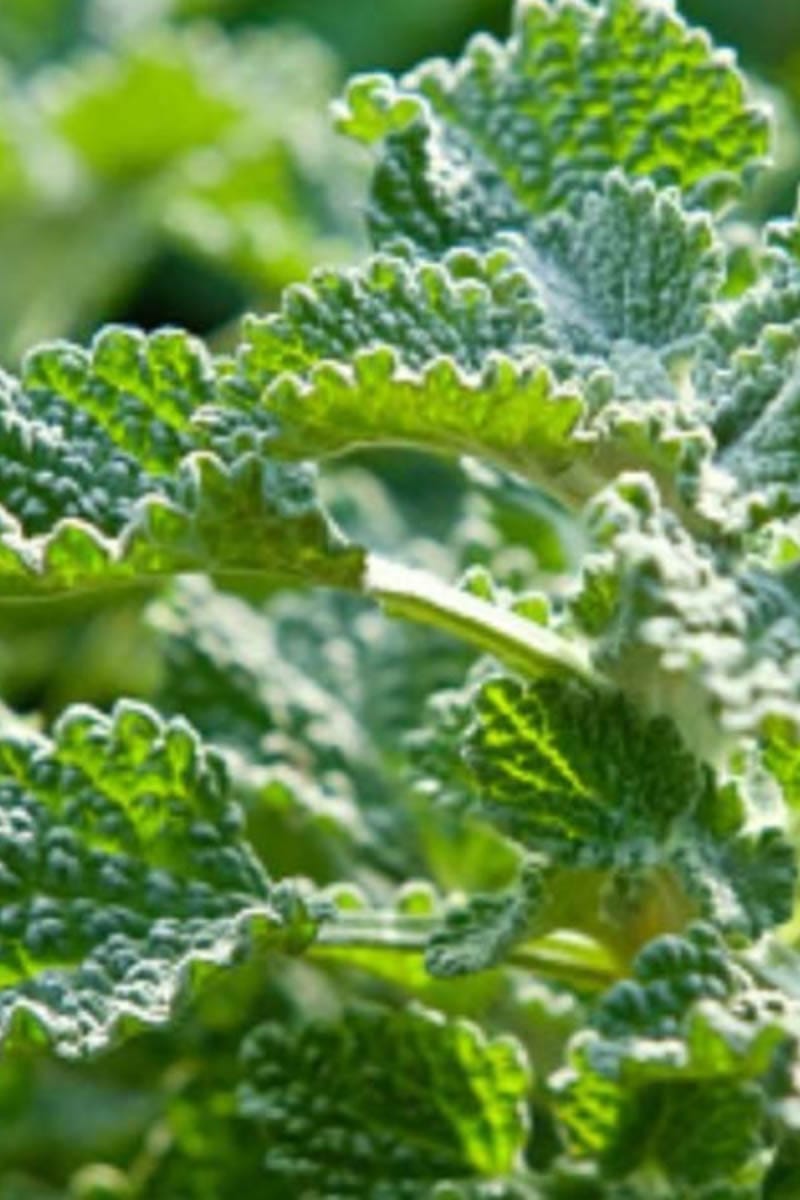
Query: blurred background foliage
point(173, 161)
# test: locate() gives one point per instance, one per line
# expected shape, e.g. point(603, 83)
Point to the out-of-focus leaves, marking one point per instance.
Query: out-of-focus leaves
point(177, 139)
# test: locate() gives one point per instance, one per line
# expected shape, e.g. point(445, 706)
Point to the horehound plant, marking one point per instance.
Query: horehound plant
point(566, 291)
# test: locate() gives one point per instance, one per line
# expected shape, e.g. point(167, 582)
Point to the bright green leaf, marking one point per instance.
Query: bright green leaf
point(385, 1105)
point(587, 780)
point(124, 874)
point(528, 356)
point(103, 480)
point(517, 129)
point(673, 1074)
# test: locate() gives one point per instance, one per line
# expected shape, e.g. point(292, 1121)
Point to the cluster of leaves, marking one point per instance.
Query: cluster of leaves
point(500, 906)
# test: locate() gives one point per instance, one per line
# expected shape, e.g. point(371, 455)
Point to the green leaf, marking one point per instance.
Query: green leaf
point(305, 696)
point(517, 129)
point(418, 353)
point(227, 666)
point(103, 479)
point(707, 635)
point(781, 756)
point(387, 1104)
point(124, 875)
point(480, 933)
point(585, 779)
point(553, 357)
point(98, 108)
point(747, 367)
point(674, 1074)
point(629, 267)
point(576, 773)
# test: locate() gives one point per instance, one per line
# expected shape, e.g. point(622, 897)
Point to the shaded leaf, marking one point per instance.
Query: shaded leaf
point(124, 875)
point(385, 1105)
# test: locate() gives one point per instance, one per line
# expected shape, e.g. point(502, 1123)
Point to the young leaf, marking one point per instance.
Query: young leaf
point(480, 933)
point(387, 1104)
point(124, 874)
point(747, 367)
point(515, 130)
point(688, 628)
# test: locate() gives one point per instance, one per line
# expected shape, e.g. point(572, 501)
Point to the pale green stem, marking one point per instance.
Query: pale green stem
point(522, 644)
point(562, 956)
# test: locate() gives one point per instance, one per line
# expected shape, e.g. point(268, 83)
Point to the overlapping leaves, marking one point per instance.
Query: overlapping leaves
point(102, 479)
point(695, 629)
point(553, 356)
point(516, 129)
point(748, 370)
point(679, 1070)
point(585, 779)
point(123, 872)
point(549, 294)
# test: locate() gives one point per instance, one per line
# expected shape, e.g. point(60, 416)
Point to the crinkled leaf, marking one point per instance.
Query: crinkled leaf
point(422, 353)
point(123, 873)
point(552, 357)
point(386, 1104)
point(578, 773)
point(628, 275)
point(480, 932)
point(584, 778)
point(103, 480)
point(513, 130)
point(296, 756)
point(305, 697)
point(687, 628)
point(674, 1072)
point(746, 371)
point(362, 937)
point(225, 666)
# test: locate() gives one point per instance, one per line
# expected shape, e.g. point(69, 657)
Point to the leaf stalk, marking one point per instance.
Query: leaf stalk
point(521, 644)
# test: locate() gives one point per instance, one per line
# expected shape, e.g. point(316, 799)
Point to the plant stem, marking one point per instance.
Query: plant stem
point(562, 956)
point(520, 643)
